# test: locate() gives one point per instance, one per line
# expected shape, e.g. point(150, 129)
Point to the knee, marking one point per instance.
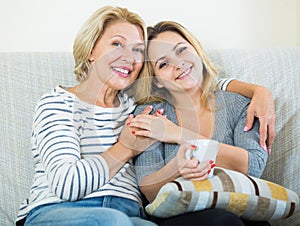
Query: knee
point(82, 216)
point(107, 217)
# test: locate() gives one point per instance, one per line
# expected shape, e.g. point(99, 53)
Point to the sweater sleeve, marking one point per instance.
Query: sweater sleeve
point(57, 152)
point(248, 140)
point(150, 161)
point(154, 157)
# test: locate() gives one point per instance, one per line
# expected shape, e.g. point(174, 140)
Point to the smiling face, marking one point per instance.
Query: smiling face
point(175, 62)
point(118, 56)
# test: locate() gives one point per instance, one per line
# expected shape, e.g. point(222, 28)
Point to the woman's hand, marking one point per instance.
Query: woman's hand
point(156, 126)
point(128, 138)
point(192, 169)
point(262, 106)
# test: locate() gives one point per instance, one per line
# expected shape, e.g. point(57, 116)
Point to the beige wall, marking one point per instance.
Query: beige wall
point(51, 25)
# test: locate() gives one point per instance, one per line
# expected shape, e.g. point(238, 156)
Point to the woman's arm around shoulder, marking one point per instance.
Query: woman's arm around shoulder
point(262, 107)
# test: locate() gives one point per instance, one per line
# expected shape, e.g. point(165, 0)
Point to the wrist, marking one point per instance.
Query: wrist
point(176, 135)
point(174, 168)
point(122, 152)
point(180, 135)
point(258, 89)
point(190, 135)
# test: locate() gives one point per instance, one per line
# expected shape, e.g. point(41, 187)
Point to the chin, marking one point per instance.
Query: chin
point(121, 86)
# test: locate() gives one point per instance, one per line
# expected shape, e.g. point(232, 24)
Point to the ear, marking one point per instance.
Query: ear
point(91, 57)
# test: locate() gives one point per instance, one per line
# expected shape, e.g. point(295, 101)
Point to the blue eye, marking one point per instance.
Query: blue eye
point(181, 49)
point(117, 44)
point(139, 50)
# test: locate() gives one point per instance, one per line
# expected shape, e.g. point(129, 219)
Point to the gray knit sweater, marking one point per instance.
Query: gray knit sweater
point(230, 119)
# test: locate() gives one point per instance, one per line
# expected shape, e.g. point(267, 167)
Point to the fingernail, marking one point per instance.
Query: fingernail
point(246, 128)
point(128, 123)
point(265, 148)
point(211, 161)
point(193, 146)
point(212, 166)
point(133, 132)
point(269, 151)
point(208, 172)
point(160, 111)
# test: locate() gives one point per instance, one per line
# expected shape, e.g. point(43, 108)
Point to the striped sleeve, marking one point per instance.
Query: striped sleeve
point(223, 83)
point(56, 150)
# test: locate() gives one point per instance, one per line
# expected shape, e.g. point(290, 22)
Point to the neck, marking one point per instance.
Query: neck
point(187, 100)
point(97, 94)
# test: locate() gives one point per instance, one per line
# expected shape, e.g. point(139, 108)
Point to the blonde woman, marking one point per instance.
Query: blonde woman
point(83, 174)
point(180, 86)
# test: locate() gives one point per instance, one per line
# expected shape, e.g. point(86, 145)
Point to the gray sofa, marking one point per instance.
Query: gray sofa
point(24, 77)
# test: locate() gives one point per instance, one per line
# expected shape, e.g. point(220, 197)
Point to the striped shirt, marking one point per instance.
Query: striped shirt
point(68, 137)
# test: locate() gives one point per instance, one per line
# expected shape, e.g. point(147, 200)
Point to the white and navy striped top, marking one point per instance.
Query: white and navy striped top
point(68, 136)
point(67, 139)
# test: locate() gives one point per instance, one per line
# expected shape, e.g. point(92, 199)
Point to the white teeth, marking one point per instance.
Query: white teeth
point(184, 73)
point(124, 71)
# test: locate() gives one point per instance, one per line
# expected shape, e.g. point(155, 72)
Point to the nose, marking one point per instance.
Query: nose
point(127, 54)
point(178, 63)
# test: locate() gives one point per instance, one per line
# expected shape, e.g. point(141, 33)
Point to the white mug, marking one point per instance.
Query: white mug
point(206, 150)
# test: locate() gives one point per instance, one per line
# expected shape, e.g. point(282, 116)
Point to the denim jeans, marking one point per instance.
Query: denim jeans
point(104, 211)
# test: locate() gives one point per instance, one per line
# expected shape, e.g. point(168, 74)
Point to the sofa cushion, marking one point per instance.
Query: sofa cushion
point(248, 197)
point(24, 77)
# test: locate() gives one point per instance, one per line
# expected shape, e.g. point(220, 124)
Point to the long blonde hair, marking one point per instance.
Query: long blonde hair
point(93, 29)
point(145, 92)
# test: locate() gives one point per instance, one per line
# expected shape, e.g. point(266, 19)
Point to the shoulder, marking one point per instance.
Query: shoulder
point(58, 93)
point(231, 100)
point(55, 100)
point(231, 104)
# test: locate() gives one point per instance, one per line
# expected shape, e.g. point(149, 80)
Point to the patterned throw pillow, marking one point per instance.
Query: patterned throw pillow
point(248, 197)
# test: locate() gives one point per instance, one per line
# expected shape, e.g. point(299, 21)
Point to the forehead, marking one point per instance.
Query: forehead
point(164, 43)
point(169, 36)
point(130, 32)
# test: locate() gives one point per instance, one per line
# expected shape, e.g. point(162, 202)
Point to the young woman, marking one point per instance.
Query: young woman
point(187, 106)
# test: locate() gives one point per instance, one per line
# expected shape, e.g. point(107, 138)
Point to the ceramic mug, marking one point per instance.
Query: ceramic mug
point(206, 150)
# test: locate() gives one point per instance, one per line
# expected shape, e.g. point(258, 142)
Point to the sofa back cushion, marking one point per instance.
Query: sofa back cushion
point(24, 77)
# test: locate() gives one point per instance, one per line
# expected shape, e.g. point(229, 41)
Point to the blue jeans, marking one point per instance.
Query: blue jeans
point(104, 211)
